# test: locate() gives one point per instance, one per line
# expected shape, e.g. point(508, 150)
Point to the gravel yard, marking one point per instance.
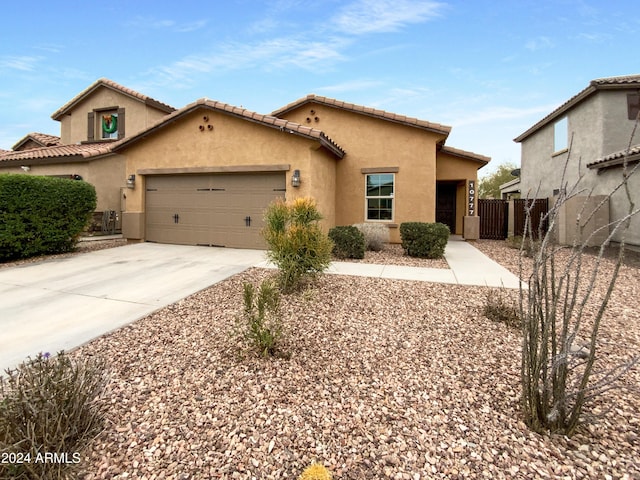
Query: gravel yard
point(387, 379)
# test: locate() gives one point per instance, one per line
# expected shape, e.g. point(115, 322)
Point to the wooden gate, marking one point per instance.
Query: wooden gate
point(494, 218)
point(539, 208)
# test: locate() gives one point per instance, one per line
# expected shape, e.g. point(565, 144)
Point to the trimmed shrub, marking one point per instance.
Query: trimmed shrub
point(42, 215)
point(424, 240)
point(50, 406)
point(297, 244)
point(375, 235)
point(348, 242)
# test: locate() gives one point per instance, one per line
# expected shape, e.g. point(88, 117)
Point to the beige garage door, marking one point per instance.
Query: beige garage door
point(218, 210)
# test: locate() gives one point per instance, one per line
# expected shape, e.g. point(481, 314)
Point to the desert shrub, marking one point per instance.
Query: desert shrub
point(42, 215)
point(315, 471)
point(375, 235)
point(424, 240)
point(526, 244)
point(499, 307)
point(50, 405)
point(348, 242)
point(297, 245)
point(260, 323)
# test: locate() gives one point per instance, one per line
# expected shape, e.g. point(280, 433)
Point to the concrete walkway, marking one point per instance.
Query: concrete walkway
point(62, 303)
point(467, 266)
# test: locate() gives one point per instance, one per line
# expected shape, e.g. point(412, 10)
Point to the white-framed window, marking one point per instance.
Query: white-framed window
point(379, 196)
point(108, 125)
point(561, 135)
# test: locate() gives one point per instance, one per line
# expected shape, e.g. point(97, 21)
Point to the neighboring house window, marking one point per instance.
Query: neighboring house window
point(379, 196)
point(560, 135)
point(108, 125)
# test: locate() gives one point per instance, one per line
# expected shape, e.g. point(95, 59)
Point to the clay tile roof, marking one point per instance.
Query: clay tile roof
point(42, 139)
point(607, 83)
point(382, 114)
point(466, 154)
point(55, 153)
point(267, 120)
point(104, 82)
point(617, 158)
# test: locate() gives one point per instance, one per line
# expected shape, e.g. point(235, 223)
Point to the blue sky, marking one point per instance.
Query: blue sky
point(488, 68)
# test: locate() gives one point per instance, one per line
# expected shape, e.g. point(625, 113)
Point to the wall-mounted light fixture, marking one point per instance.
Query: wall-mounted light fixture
point(25, 168)
point(295, 178)
point(131, 181)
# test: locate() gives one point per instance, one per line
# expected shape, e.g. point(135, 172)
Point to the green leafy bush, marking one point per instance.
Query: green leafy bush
point(375, 235)
point(348, 242)
point(49, 406)
point(42, 215)
point(261, 325)
point(424, 240)
point(297, 244)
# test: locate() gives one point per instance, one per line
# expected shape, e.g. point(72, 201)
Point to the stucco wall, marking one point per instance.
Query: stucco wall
point(106, 175)
point(453, 168)
point(235, 144)
point(74, 126)
point(600, 126)
point(375, 143)
point(542, 167)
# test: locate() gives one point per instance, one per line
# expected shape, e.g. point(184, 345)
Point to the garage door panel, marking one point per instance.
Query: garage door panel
point(221, 210)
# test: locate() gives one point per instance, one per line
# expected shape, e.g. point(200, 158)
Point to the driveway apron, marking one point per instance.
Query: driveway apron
point(62, 303)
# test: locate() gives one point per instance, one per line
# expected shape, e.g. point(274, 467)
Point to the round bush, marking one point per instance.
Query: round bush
point(348, 242)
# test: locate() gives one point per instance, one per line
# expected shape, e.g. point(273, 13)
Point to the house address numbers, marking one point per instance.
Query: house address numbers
point(472, 198)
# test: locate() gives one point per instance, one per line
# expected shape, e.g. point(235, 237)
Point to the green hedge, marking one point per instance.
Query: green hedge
point(424, 240)
point(42, 215)
point(348, 242)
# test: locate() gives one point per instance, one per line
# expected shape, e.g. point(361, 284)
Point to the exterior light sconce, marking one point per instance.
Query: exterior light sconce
point(295, 178)
point(131, 181)
point(25, 168)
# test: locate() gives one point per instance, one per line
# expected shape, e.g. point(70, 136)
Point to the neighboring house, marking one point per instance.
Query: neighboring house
point(89, 124)
point(36, 140)
point(586, 139)
point(203, 174)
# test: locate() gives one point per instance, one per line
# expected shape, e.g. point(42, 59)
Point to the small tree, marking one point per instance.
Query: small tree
point(297, 244)
point(489, 186)
point(558, 367)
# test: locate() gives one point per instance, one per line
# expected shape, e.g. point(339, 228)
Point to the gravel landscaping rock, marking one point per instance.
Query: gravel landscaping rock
point(386, 379)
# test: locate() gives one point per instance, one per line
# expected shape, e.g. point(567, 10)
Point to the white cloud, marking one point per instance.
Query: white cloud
point(158, 23)
point(498, 113)
point(366, 16)
point(24, 64)
point(539, 43)
point(354, 85)
point(267, 55)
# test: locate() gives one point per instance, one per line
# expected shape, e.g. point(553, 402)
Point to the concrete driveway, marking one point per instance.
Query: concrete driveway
point(60, 304)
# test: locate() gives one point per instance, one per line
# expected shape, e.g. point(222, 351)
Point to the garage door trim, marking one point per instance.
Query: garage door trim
point(217, 169)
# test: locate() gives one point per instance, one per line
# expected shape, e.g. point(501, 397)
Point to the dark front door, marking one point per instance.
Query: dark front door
point(446, 205)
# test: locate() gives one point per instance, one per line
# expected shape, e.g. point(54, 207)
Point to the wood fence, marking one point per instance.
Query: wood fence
point(494, 217)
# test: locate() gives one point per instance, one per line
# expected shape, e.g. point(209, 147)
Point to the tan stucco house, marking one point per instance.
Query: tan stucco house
point(204, 173)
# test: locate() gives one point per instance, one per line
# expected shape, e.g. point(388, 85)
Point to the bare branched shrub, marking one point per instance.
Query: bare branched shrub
point(50, 408)
point(375, 235)
point(562, 314)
